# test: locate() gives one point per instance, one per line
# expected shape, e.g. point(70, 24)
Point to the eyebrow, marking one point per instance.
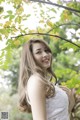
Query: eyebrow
point(37, 49)
point(40, 48)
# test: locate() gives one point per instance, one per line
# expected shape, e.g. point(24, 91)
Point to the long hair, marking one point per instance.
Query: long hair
point(28, 66)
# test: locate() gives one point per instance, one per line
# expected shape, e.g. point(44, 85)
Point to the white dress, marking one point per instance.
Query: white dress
point(57, 106)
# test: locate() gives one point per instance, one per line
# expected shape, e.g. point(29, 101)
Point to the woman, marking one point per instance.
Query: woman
point(45, 100)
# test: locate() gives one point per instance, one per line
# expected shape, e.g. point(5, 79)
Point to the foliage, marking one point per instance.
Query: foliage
point(21, 21)
point(66, 26)
point(10, 105)
point(13, 72)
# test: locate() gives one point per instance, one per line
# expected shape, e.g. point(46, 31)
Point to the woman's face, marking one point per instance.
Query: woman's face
point(42, 55)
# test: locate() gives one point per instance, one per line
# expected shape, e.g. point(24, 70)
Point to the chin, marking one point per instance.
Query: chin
point(46, 67)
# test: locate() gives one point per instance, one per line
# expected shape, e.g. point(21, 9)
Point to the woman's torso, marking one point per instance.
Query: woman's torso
point(57, 106)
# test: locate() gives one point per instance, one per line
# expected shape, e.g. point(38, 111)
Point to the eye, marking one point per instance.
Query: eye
point(38, 52)
point(47, 51)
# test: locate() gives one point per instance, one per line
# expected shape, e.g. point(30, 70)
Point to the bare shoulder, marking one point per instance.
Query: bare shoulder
point(35, 79)
point(35, 84)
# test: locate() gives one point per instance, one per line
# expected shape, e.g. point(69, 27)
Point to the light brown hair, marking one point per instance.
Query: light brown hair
point(28, 67)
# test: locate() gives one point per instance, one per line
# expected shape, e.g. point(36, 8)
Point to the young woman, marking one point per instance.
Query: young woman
point(38, 95)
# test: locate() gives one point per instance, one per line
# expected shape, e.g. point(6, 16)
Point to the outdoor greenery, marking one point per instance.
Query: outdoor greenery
point(58, 24)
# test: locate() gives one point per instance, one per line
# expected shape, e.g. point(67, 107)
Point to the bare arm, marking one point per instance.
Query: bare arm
point(36, 92)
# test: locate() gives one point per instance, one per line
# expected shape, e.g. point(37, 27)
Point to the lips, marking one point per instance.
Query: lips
point(46, 60)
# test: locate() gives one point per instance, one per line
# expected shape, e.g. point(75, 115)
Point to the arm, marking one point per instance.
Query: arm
point(36, 93)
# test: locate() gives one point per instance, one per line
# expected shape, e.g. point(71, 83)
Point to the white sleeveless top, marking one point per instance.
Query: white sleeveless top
point(57, 106)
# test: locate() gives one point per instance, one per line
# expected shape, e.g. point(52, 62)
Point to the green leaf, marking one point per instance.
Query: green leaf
point(69, 45)
point(9, 12)
point(19, 10)
point(28, 15)
point(18, 19)
point(6, 16)
point(11, 17)
point(0, 37)
point(49, 23)
point(1, 9)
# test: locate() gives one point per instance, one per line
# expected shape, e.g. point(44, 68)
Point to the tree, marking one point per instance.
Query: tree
point(61, 34)
point(58, 23)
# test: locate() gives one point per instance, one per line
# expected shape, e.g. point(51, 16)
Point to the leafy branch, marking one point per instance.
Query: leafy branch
point(47, 35)
point(51, 3)
point(76, 14)
point(56, 26)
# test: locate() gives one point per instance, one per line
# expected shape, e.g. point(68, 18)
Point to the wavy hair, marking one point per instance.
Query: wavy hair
point(28, 66)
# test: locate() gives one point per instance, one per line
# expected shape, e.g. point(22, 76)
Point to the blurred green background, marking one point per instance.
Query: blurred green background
point(60, 27)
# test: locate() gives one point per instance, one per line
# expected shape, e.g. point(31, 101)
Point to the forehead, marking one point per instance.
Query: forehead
point(37, 46)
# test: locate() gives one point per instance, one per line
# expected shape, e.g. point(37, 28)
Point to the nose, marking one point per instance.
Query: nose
point(45, 54)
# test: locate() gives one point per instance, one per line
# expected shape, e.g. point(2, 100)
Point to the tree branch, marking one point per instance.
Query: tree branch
point(76, 14)
point(50, 3)
point(74, 36)
point(70, 23)
point(47, 35)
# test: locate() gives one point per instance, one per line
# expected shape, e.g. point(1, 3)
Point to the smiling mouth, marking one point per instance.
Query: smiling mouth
point(46, 61)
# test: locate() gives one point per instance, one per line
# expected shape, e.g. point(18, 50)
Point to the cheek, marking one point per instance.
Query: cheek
point(38, 61)
point(50, 56)
point(37, 58)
